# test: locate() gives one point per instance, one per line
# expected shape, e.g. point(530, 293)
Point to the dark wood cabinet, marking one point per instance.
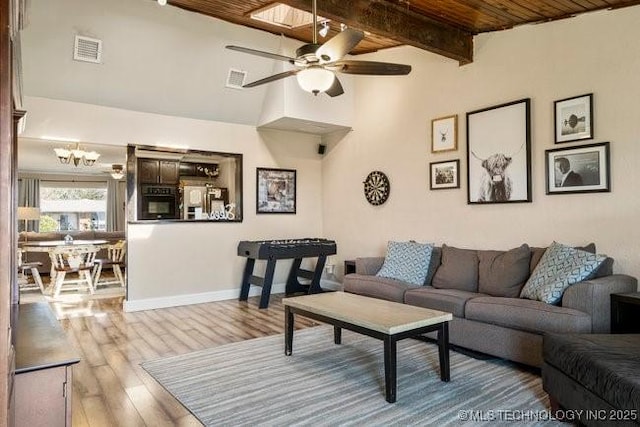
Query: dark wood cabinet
point(151, 171)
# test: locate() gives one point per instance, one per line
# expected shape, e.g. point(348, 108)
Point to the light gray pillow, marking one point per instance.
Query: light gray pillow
point(407, 262)
point(560, 267)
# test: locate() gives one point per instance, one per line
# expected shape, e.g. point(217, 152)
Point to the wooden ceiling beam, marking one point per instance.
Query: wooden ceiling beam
point(396, 22)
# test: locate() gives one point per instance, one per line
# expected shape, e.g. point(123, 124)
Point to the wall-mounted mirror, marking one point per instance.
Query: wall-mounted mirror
point(166, 184)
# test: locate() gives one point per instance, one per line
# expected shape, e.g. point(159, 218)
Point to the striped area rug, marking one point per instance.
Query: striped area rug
point(322, 384)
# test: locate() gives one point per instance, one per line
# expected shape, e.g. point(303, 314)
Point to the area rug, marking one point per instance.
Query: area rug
point(323, 384)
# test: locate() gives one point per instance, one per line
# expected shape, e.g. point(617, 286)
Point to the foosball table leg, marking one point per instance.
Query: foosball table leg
point(246, 279)
point(266, 284)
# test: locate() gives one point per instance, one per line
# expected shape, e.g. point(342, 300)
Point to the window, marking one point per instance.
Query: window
point(73, 206)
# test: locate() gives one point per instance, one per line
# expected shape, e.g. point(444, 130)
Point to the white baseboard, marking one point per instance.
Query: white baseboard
point(177, 300)
point(187, 299)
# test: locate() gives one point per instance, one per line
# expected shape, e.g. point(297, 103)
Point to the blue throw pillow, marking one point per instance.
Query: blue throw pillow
point(560, 267)
point(407, 261)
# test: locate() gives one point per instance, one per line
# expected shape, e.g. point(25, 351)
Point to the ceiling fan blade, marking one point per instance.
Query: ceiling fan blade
point(335, 89)
point(272, 78)
point(369, 67)
point(261, 53)
point(339, 45)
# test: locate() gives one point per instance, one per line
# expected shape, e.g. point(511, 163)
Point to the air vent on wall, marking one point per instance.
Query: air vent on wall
point(87, 49)
point(235, 79)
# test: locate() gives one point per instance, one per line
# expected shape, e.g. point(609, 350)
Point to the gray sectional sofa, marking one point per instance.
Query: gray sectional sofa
point(481, 289)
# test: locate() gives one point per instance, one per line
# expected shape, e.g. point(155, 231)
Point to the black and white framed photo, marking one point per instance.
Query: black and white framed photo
point(444, 175)
point(444, 134)
point(499, 153)
point(276, 191)
point(573, 118)
point(582, 169)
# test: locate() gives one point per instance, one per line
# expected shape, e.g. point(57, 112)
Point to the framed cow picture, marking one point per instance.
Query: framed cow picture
point(276, 191)
point(499, 154)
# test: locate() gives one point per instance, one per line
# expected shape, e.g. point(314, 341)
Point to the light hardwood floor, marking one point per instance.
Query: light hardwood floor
point(109, 386)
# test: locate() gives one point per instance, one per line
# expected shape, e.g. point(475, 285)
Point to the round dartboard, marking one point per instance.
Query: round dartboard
point(376, 188)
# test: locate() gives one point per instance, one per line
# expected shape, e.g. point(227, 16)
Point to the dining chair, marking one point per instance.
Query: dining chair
point(73, 259)
point(32, 267)
point(116, 260)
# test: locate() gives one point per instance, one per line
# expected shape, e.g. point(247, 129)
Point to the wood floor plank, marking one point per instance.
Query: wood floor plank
point(110, 388)
point(126, 413)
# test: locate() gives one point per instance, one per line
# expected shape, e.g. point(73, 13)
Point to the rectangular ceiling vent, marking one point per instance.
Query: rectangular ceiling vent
point(87, 49)
point(283, 15)
point(235, 79)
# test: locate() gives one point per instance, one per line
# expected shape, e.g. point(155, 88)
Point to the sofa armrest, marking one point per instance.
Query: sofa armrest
point(593, 297)
point(369, 265)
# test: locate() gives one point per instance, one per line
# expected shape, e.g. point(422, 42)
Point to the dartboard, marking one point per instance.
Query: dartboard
point(376, 188)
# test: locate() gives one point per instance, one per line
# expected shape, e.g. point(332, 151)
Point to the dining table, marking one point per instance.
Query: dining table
point(50, 245)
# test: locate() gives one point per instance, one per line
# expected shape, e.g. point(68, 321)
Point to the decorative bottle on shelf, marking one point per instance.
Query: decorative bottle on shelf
point(68, 239)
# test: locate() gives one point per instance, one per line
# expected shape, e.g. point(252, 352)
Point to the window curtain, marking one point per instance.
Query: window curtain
point(29, 195)
point(115, 209)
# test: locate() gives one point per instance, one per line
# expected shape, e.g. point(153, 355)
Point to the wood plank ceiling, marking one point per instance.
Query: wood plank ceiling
point(445, 27)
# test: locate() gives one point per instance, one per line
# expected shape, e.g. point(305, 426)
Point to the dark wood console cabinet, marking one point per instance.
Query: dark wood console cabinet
point(152, 171)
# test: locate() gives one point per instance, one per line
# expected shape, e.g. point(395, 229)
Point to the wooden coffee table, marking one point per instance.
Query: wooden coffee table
point(385, 320)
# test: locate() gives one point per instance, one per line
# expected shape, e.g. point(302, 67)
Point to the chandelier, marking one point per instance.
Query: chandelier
point(76, 155)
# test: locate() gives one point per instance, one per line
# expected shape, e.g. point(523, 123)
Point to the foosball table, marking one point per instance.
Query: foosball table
point(273, 250)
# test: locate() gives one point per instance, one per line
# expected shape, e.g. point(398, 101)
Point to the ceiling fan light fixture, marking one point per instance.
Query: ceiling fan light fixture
point(117, 171)
point(315, 79)
point(162, 2)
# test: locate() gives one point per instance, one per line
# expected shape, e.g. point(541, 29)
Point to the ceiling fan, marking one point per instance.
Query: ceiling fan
point(316, 64)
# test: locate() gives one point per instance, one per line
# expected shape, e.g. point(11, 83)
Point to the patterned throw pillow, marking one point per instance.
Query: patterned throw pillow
point(560, 267)
point(406, 261)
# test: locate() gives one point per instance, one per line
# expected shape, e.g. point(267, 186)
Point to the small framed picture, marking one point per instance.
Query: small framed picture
point(583, 169)
point(444, 175)
point(275, 191)
point(444, 134)
point(573, 118)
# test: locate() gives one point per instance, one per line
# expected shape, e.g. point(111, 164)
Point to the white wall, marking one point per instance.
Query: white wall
point(175, 263)
point(597, 53)
point(158, 59)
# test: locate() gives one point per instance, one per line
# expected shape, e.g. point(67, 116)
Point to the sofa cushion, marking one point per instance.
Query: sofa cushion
point(560, 267)
point(458, 270)
point(503, 274)
point(434, 264)
point(376, 287)
point(527, 315)
point(606, 365)
point(450, 300)
point(407, 262)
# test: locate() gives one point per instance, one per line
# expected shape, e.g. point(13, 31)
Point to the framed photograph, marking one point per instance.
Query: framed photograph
point(499, 153)
point(445, 175)
point(276, 191)
point(444, 134)
point(573, 118)
point(583, 169)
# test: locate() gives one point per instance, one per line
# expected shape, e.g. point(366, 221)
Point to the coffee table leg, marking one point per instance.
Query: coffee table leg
point(390, 368)
point(288, 330)
point(443, 351)
point(337, 335)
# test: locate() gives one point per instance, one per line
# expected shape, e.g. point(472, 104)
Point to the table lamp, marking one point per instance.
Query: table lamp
point(27, 213)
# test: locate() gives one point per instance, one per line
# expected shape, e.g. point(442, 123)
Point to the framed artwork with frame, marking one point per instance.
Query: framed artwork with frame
point(581, 169)
point(444, 134)
point(499, 153)
point(275, 191)
point(573, 118)
point(444, 175)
